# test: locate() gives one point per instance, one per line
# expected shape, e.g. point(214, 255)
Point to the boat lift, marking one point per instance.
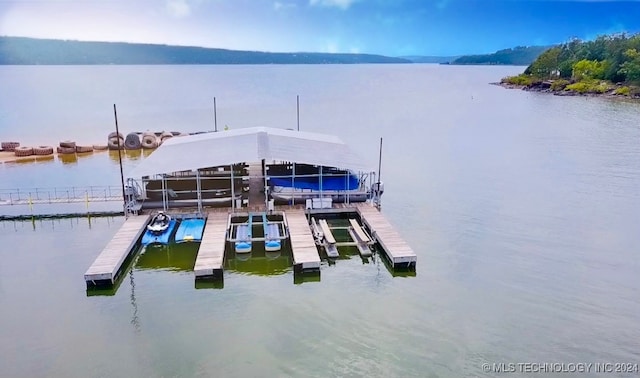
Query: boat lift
point(359, 235)
point(324, 237)
point(241, 234)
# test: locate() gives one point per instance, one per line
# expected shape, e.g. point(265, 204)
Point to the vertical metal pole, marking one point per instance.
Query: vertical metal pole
point(298, 110)
point(266, 190)
point(293, 184)
point(233, 192)
point(199, 191)
point(124, 198)
point(164, 193)
point(215, 116)
point(320, 184)
point(379, 168)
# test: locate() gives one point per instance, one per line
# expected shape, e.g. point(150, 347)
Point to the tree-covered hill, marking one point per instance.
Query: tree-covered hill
point(20, 50)
point(517, 56)
point(608, 64)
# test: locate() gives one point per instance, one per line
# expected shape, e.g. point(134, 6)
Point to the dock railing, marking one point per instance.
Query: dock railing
point(72, 194)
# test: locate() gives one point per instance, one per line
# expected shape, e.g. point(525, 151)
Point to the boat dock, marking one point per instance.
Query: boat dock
point(303, 246)
point(106, 267)
point(210, 259)
point(283, 194)
point(399, 252)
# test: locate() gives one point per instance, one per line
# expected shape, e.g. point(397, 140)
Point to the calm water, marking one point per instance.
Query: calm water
point(523, 208)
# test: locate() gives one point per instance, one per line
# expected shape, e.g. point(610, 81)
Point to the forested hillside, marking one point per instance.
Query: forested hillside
point(517, 56)
point(608, 64)
point(18, 50)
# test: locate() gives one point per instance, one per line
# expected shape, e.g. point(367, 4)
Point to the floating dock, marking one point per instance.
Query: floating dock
point(303, 246)
point(399, 253)
point(210, 257)
point(105, 269)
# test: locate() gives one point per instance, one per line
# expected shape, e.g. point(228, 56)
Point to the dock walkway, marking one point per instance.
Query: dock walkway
point(210, 259)
point(399, 252)
point(305, 252)
point(104, 269)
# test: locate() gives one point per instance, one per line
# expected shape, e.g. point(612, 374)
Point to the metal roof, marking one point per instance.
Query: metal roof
point(248, 145)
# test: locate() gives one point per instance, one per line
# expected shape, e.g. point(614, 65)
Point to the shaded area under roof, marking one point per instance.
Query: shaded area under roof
point(248, 145)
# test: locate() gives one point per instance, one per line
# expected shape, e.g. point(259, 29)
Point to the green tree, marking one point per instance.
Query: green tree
point(546, 65)
point(589, 69)
point(631, 68)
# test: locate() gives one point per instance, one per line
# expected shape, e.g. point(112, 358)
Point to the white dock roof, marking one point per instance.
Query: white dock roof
point(248, 145)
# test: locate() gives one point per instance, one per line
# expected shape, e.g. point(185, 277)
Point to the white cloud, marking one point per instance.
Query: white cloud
point(342, 4)
point(178, 8)
point(331, 47)
point(278, 5)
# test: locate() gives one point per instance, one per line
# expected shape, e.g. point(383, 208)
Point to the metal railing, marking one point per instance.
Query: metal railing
point(73, 194)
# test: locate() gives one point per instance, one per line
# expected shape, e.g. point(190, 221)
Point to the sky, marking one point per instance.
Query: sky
point(386, 27)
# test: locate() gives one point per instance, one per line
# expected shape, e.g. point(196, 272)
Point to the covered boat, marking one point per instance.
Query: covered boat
point(301, 182)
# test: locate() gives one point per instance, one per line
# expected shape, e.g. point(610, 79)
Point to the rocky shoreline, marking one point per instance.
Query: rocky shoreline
point(547, 87)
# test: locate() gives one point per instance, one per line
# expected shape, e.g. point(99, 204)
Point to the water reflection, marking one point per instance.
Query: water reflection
point(129, 154)
point(172, 257)
point(68, 158)
point(259, 261)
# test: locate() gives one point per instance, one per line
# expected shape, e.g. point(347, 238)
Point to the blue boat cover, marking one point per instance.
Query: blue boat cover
point(313, 183)
point(190, 230)
point(155, 238)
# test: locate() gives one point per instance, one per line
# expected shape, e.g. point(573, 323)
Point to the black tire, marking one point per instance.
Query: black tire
point(132, 142)
point(23, 151)
point(66, 150)
point(113, 134)
point(149, 141)
point(113, 143)
point(68, 144)
point(9, 146)
point(43, 150)
point(84, 149)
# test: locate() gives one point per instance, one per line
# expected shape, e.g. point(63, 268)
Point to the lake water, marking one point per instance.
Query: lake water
point(523, 209)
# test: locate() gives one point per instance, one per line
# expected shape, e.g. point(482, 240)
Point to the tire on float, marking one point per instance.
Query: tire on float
point(166, 135)
point(23, 151)
point(132, 142)
point(68, 144)
point(149, 141)
point(66, 150)
point(84, 149)
point(43, 150)
point(100, 147)
point(113, 134)
point(9, 146)
point(113, 143)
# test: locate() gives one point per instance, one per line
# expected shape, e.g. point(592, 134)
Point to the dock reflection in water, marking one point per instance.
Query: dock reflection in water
point(258, 261)
point(173, 257)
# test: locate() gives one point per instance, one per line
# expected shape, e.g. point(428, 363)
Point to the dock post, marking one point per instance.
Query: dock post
point(124, 198)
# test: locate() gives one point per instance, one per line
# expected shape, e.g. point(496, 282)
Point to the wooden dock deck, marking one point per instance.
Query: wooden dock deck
point(104, 269)
point(210, 259)
point(303, 247)
point(399, 252)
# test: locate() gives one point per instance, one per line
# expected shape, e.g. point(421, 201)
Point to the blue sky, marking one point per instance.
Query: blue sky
point(388, 27)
